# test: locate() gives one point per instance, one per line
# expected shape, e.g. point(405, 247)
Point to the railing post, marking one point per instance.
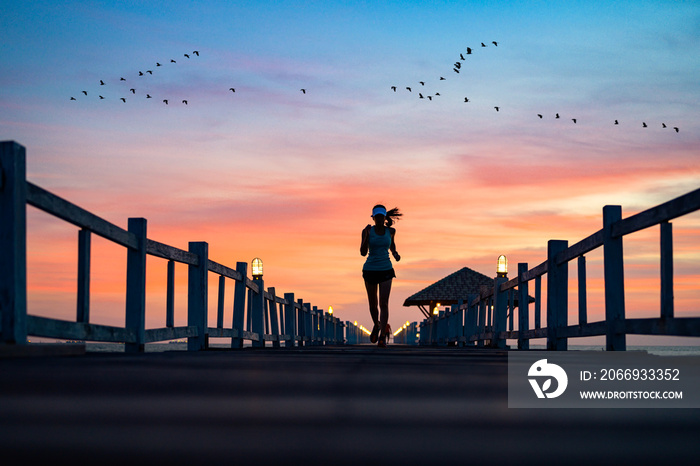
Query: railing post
point(290, 325)
point(582, 295)
point(239, 294)
point(511, 309)
point(308, 324)
point(274, 319)
point(257, 311)
point(666, 270)
point(441, 329)
point(523, 308)
point(315, 325)
point(83, 306)
point(220, 302)
point(170, 296)
point(613, 270)
point(482, 321)
point(301, 322)
point(557, 296)
point(136, 286)
point(470, 320)
point(538, 301)
point(461, 323)
point(197, 296)
point(500, 312)
point(13, 243)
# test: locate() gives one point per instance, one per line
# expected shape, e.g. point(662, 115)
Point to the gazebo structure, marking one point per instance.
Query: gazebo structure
point(452, 289)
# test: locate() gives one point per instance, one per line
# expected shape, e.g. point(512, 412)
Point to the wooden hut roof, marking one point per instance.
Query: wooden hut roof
point(451, 289)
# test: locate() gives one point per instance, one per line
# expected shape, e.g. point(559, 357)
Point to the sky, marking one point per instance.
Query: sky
point(271, 171)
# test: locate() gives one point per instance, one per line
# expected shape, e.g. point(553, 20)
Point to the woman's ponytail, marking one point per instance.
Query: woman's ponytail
point(392, 216)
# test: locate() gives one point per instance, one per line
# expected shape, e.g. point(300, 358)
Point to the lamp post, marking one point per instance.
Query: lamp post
point(500, 310)
point(502, 266)
point(257, 268)
point(258, 303)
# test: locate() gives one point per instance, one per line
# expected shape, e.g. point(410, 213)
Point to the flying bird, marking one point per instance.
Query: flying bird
point(122, 79)
point(85, 92)
point(663, 125)
point(102, 83)
point(196, 52)
point(539, 115)
point(574, 120)
point(455, 70)
point(140, 73)
point(172, 61)
point(158, 64)
point(469, 50)
point(557, 116)
point(187, 56)
point(123, 99)
point(184, 102)
point(72, 98)
point(458, 65)
point(430, 97)
point(420, 95)
point(461, 57)
point(393, 88)
point(422, 83)
point(496, 108)
point(101, 97)
point(303, 91)
point(409, 89)
point(483, 45)
point(231, 89)
point(149, 72)
point(495, 43)
point(466, 99)
point(148, 96)
point(441, 78)
point(133, 91)
point(166, 101)
point(616, 122)
point(676, 128)
point(644, 125)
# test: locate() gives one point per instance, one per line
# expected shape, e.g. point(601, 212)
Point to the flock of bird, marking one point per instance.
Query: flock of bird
point(141, 74)
point(457, 68)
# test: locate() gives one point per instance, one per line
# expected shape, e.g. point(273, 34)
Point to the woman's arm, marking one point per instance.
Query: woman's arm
point(393, 245)
point(364, 245)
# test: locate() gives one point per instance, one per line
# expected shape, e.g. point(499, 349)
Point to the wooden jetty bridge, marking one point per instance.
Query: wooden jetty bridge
point(260, 316)
point(307, 388)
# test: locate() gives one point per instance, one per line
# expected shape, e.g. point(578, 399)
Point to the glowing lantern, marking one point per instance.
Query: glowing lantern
point(502, 266)
point(257, 266)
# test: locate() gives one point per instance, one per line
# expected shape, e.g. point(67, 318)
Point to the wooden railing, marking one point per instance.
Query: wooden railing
point(259, 315)
point(407, 334)
point(484, 318)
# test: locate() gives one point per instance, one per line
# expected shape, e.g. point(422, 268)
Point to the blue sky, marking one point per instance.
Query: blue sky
point(268, 157)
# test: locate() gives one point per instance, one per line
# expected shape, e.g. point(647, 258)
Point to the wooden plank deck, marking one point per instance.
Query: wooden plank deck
point(339, 405)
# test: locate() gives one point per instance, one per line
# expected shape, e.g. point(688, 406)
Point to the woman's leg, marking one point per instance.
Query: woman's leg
point(373, 301)
point(384, 291)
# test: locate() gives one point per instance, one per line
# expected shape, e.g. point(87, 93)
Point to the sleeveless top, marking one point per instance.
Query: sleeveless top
point(378, 257)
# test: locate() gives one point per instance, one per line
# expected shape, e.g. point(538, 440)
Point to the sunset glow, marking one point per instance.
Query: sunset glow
point(290, 177)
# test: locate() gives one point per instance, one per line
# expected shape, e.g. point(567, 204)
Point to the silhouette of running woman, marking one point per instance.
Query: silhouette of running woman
point(378, 271)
